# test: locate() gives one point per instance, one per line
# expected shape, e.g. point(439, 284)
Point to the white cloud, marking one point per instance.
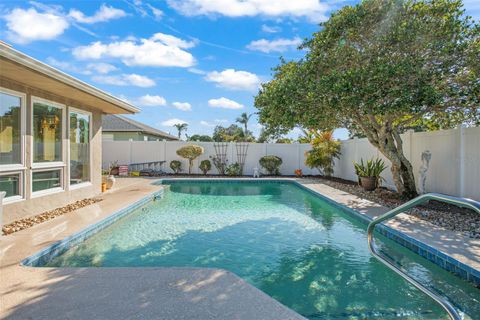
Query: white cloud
point(184, 106)
point(157, 13)
point(125, 80)
point(172, 122)
point(270, 29)
point(161, 50)
point(196, 71)
point(224, 103)
point(30, 25)
point(206, 124)
point(235, 80)
point(152, 101)
point(105, 13)
point(67, 66)
point(213, 124)
point(314, 10)
point(278, 45)
point(101, 67)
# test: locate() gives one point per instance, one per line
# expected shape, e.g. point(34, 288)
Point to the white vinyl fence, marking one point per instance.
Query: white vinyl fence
point(454, 166)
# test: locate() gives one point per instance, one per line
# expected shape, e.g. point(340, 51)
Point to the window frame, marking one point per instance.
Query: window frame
point(47, 164)
point(21, 187)
point(40, 193)
point(90, 157)
point(18, 168)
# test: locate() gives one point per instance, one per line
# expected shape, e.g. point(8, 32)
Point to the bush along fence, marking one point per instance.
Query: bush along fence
point(445, 161)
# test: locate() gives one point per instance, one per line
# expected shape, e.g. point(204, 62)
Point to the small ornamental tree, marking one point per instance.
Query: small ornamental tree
point(190, 152)
point(205, 166)
point(271, 164)
point(377, 69)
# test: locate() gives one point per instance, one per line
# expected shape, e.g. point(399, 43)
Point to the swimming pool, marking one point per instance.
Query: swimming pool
point(301, 250)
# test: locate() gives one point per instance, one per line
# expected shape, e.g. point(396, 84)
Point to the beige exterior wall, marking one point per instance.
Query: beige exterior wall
point(33, 205)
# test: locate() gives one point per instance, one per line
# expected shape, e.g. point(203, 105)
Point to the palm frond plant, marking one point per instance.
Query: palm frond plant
point(369, 173)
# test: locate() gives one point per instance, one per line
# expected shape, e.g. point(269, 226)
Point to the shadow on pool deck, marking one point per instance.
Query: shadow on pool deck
point(147, 293)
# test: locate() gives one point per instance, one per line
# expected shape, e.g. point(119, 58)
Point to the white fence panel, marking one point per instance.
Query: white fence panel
point(454, 166)
point(470, 163)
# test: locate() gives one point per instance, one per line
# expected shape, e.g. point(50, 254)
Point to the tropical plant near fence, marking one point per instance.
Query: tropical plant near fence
point(324, 151)
point(369, 172)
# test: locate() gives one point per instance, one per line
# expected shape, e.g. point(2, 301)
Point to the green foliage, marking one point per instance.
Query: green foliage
point(190, 152)
point(372, 168)
point(176, 166)
point(243, 119)
point(271, 164)
point(202, 138)
point(181, 127)
point(233, 133)
point(378, 68)
point(233, 169)
point(284, 140)
point(324, 151)
point(205, 166)
point(219, 165)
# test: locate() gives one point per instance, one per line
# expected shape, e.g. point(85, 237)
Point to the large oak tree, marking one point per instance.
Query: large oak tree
point(378, 68)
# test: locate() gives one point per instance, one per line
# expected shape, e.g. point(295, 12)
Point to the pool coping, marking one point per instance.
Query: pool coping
point(426, 251)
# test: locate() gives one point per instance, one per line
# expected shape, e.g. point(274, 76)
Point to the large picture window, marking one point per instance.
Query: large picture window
point(79, 147)
point(10, 129)
point(47, 132)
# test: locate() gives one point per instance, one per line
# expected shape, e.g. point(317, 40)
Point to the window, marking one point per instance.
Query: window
point(44, 180)
point(11, 184)
point(10, 129)
point(47, 132)
point(79, 147)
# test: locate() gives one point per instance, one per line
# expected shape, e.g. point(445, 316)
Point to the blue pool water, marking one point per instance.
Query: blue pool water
point(293, 245)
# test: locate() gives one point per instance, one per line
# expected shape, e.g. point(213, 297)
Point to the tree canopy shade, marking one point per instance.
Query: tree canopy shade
point(377, 68)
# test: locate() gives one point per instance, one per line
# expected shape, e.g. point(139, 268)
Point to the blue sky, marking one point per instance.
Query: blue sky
point(196, 61)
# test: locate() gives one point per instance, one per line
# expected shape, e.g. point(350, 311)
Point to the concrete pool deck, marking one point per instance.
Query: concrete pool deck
point(169, 293)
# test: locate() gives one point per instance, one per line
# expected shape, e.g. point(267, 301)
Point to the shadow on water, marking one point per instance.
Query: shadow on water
point(322, 273)
point(319, 280)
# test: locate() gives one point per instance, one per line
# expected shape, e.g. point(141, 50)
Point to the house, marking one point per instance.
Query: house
point(50, 135)
point(120, 128)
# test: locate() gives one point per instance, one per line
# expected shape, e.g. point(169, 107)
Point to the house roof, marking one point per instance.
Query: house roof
point(117, 123)
point(30, 72)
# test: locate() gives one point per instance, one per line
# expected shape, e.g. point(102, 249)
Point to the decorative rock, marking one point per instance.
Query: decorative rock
point(45, 216)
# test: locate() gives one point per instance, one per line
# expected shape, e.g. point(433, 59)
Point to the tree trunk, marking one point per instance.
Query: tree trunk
point(388, 142)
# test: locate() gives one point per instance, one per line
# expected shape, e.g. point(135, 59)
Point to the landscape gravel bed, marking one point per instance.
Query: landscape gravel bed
point(444, 215)
point(45, 216)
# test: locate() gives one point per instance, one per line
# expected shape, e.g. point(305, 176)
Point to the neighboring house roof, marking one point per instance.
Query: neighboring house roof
point(117, 123)
point(24, 69)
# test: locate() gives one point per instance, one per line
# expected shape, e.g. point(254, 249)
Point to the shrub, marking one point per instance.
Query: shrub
point(190, 152)
point(205, 166)
point(219, 164)
point(271, 164)
point(324, 150)
point(176, 166)
point(234, 169)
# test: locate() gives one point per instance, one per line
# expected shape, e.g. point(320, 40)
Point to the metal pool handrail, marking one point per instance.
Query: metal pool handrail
point(462, 202)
